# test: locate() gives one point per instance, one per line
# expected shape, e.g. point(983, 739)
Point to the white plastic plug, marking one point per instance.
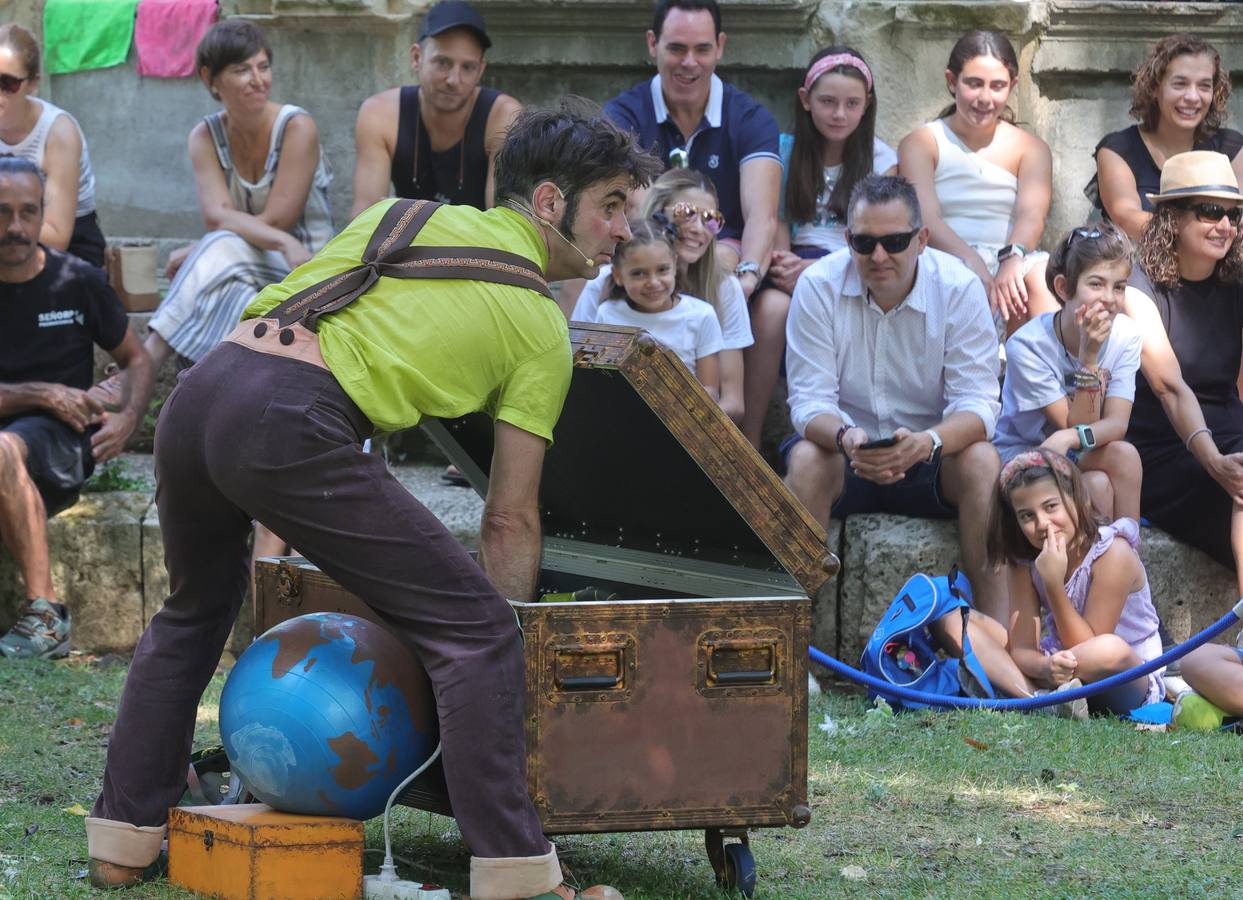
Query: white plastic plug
point(376, 888)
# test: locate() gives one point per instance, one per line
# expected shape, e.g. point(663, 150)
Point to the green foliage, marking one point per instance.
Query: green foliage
point(115, 475)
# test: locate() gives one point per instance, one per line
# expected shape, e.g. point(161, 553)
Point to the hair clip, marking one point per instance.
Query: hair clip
point(666, 224)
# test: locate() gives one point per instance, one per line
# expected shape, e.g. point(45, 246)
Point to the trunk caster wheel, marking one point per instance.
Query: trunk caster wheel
point(739, 869)
point(733, 863)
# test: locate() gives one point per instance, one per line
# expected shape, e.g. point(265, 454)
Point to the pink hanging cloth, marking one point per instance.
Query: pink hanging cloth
point(166, 33)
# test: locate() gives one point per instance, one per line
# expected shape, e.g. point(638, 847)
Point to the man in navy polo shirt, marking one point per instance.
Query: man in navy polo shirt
point(688, 116)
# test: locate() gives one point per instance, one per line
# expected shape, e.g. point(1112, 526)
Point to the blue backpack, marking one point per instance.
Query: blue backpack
point(903, 651)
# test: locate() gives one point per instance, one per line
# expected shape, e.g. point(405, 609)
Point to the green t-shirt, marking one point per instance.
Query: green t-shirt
point(410, 348)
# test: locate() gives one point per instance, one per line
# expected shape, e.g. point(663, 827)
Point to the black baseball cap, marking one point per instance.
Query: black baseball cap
point(454, 14)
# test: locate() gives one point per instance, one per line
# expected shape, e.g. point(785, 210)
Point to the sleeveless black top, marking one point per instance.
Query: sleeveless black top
point(1128, 144)
point(458, 175)
point(1204, 322)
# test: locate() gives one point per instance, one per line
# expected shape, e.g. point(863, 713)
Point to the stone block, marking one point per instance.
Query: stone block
point(1189, 590)
point(96, 554)
point(880, 552)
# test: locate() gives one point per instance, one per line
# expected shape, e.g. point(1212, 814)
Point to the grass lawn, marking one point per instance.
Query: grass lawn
point(945, 804)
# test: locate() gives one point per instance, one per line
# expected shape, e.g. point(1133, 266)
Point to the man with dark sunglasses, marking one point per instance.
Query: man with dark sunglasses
point(893, 390)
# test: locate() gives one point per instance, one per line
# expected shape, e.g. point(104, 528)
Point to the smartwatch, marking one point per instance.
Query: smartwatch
point(1087, 440)
point(747, 268)
point(1011, 250)
point(934, 456)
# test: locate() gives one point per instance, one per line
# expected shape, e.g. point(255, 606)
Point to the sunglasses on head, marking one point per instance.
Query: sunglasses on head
point(11, 84)
point(1212, 213)
point(712, 219)
point(865, 244)
point(1086, 234)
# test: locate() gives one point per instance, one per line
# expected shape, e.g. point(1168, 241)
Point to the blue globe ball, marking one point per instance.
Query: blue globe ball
point(326, 714)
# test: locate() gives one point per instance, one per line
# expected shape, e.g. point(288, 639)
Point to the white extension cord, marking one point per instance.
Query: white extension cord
point(386, 885)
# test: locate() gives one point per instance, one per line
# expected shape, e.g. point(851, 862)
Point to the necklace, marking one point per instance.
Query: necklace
point(461, 150)
point(1061, 340)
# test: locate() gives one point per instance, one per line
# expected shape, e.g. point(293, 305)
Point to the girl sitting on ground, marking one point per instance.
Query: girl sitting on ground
point(833, 147)
point(644, 271)
point(1070, 375)
point(686, 199)
point(1082, 575)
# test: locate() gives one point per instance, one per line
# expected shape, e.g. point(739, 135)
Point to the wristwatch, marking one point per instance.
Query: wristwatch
point(1011, 250)
point(1087, 440)
point(934, 456)
point(747, 268)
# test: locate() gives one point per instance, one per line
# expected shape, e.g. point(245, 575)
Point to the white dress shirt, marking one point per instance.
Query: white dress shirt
point(932, 355)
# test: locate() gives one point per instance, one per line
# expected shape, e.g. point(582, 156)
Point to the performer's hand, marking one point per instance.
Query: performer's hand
point(1062, 666)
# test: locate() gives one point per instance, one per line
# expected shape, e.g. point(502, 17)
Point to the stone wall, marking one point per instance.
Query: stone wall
point(1076, 58)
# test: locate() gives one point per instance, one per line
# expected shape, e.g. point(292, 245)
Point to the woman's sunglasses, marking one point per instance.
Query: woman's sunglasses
point(11, 84)
point(1212, 213)
point(711, 218)
point(865, 244)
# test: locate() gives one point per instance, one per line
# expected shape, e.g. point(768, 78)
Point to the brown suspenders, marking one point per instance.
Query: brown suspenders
point(389, 253)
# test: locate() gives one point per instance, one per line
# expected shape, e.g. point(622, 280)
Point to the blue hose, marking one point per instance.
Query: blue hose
point(1023, 703)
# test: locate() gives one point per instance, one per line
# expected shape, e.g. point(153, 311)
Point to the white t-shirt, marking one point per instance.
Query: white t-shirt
point(826, 230)
point(1036, 368)
point(690, 329)
point(734, 319)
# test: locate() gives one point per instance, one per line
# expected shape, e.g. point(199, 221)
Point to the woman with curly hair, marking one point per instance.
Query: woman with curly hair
point(1179, 98)
point(1186, 296)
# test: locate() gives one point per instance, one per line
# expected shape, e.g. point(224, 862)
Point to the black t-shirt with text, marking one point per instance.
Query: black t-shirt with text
point(49, 323)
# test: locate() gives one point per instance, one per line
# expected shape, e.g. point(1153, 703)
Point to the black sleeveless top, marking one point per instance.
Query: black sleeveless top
point(1128, 144)
point(1204, 323)
point(458, 175)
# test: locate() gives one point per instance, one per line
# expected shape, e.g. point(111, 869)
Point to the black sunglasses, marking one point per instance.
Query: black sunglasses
point(893, 243)
point(1212, 213)
point(11, 84)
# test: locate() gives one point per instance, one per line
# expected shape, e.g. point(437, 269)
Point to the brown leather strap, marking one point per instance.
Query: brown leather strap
point(389, 254)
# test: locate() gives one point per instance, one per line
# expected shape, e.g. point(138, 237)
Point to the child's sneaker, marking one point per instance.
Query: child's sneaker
point(1075, 709)
point(1194, 713)
point(40, 632)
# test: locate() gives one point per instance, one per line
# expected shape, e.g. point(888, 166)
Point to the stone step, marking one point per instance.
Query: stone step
point(108, 558)
point(108, 565)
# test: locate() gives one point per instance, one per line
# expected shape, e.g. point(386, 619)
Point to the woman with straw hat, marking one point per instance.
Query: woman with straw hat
point(1186, 295)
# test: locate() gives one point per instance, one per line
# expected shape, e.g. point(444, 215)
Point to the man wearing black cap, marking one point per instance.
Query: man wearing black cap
point(436, 140)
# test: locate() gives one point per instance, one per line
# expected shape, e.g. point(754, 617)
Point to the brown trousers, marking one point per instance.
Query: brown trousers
point(246, 436)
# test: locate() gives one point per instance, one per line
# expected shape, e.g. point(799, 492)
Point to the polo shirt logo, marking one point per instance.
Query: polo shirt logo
point(59, 317)
point(714, 161)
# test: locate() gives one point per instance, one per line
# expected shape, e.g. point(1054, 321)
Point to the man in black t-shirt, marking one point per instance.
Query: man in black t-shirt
point(53, 309)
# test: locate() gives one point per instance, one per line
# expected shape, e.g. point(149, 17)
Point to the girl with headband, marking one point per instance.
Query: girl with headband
point(834, 145)
point(984, 184)
point(1082, 576)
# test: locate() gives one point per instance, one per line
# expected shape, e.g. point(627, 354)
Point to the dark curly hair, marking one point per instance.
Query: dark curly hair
point(1146, 83)
point(1158, 249)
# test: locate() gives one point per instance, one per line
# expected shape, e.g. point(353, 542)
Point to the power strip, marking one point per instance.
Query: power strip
point(375, 889)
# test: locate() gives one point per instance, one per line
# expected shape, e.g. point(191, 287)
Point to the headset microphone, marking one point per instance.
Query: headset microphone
point(523, 207)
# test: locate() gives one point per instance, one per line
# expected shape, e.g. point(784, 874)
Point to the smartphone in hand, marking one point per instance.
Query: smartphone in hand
point(878, 444)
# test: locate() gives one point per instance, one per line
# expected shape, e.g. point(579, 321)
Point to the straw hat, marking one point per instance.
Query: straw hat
point(1197, 173)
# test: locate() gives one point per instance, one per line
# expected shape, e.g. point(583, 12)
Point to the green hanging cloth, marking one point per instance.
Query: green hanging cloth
point(87, 34)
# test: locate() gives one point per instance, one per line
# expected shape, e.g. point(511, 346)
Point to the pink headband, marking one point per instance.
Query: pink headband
point(1033, 459)
point(820, 66)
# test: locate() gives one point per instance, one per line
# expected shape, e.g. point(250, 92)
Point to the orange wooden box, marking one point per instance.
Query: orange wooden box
point(252, 852)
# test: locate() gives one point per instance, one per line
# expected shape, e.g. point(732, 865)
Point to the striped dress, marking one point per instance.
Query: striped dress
point(225, 272)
